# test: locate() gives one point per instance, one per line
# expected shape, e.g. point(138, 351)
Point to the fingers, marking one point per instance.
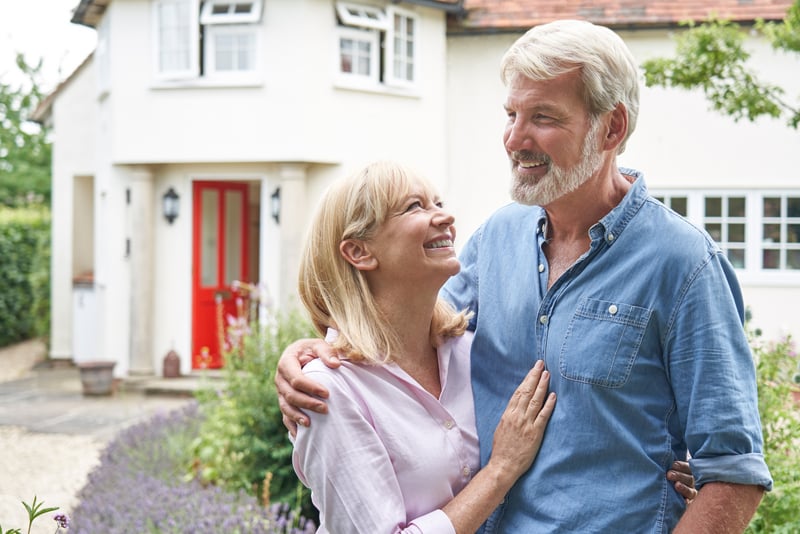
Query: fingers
point(681, 475)
point(689, 494)
point(290, 425)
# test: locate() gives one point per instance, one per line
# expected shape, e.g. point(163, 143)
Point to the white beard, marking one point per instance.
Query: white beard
point(559, 181)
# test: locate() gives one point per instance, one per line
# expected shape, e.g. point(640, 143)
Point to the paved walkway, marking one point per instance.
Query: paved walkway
point(51, 435)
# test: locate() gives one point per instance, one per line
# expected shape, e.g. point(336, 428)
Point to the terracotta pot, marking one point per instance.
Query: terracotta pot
point(97, 378)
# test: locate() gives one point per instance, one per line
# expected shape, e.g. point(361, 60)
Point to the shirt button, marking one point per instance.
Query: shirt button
point(466, 471)
point(613, 309)
point(543, 319)
point(448, 425)
point(611, 237)
point(541, 267)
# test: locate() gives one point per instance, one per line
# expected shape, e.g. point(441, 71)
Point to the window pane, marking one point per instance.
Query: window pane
point(679, 205)
point(715, 231)
point(713, 207)
point(209, 235)
point(736, 233)
point(793, 259)
point(736, 207)
point(772, 233)
point(793, 207)
point(772, 207)
point(793, 233)
point(736, 257)
point(771, 259)
point(234, 211)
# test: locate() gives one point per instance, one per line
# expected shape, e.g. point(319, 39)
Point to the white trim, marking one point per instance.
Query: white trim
point(362, 16)
point(209, 15)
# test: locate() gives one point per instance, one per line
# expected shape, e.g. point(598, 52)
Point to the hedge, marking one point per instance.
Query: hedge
point(24, 274)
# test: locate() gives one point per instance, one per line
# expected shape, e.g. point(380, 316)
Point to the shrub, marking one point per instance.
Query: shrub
point(777, 367)
point(139, 487)
point(24, 274)
point(242, 441)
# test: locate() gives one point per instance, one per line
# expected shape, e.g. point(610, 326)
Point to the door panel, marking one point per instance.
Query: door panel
point(219, 257)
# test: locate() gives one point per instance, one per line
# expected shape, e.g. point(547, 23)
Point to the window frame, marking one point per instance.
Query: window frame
point(373, 79)
point(754, 272)
point(209, 18)
point(192, 70)
point(391, 55)
point(353, 17)
point(210, 69)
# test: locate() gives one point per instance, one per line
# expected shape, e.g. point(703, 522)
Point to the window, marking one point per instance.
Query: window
point(780, 237)
point(758, 230)
point(376, 47)
point(206, 38)
point(724, 219)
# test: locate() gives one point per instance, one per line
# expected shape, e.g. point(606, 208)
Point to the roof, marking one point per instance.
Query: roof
point(516, 15)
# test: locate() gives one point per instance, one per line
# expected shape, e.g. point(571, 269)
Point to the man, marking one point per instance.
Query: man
point(637, 314)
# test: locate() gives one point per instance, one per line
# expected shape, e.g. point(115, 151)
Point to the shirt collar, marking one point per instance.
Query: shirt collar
point(611, 226)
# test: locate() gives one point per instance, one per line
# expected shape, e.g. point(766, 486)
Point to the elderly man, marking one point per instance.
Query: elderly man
point(637, 314)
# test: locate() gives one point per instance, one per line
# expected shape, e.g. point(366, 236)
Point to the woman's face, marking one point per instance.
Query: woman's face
point(414, 244)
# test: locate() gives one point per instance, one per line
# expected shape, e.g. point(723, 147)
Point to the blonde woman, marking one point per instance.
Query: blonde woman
point(398, 450)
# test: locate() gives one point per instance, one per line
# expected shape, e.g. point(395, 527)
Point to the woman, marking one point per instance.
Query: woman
point(398, 450)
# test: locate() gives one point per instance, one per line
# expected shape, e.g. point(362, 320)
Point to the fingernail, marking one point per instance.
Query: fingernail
point(539, 364)
point(302, 422)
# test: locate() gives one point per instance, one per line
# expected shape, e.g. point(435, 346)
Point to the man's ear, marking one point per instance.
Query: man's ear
point(356, 253)
point(617, 127)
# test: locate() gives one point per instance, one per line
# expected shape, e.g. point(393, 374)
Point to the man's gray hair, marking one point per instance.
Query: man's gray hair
point(608, 70)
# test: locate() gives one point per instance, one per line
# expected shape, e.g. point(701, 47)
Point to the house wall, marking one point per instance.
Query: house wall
point(678, 143)
point(73, 159)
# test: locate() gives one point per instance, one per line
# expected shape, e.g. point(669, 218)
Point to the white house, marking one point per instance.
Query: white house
point(240, 112)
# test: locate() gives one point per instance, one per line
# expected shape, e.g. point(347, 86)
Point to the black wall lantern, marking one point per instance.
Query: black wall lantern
point(171, 204)
point(276, 205)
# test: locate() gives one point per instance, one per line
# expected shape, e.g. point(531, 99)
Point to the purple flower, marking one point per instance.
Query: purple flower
point(62, 520)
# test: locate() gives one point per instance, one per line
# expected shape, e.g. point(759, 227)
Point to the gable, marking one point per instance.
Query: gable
point(516, 15)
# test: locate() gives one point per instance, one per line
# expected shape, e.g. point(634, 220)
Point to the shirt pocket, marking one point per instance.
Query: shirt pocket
point(602, 341)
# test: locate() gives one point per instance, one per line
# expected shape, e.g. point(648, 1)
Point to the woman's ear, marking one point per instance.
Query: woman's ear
point(356, 253)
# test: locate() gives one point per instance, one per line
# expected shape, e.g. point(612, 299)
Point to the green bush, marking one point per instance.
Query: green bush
point(243, 442)
point(24, 274)
point(777, 367)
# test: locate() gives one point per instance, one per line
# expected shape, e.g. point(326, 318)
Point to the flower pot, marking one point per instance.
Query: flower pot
point(97, 378)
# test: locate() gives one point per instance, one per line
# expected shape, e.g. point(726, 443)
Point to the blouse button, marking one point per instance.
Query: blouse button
point(448, 424)
point(541, 267)
point(466, 471)
point(543, 319)
point(611, 237)
point(613, 309)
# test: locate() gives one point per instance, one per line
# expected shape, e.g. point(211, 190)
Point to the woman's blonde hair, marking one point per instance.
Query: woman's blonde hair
point(334, 292)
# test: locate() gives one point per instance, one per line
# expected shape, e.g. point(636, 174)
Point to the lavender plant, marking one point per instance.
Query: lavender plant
point(139, 487)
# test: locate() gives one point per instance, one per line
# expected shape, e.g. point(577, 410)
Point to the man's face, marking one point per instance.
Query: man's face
point(550, 140)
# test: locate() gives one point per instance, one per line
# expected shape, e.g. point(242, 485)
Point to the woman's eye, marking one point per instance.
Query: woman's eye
point(439, 204)
point(414, 205)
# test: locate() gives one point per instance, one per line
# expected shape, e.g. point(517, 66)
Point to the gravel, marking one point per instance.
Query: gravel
point(53, 467)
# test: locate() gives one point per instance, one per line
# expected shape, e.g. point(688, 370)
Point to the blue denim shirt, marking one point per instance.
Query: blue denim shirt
point(644, 340)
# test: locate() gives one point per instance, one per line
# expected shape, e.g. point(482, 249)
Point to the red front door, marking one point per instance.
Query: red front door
point(219, 248)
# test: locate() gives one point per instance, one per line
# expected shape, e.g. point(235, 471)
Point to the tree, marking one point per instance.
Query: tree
point(711, 56)
point(25, 152)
